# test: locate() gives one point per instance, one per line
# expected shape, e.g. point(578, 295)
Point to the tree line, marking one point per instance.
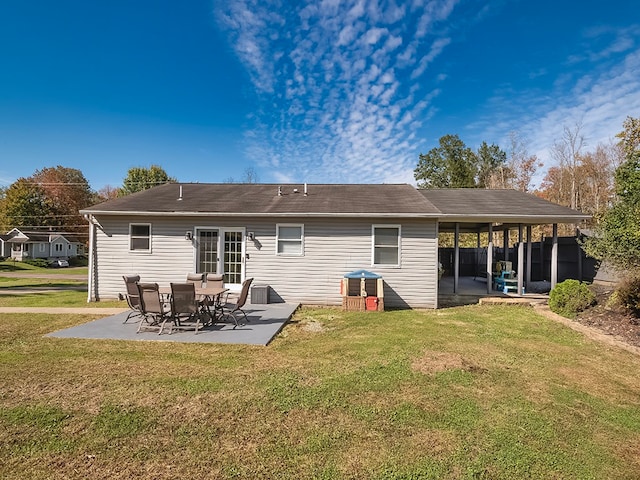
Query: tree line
point(603, 182)
point(51, 198)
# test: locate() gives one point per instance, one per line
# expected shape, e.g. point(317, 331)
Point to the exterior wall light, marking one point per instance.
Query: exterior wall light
point(188, 236)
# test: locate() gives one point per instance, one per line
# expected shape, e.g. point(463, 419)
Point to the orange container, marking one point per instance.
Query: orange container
point(372, 303)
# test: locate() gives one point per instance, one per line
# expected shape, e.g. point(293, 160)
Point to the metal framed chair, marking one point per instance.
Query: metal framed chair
point(132, 296)
point(230, 310)
point(185, 309)
point(195, 278)
point(154, 316)
point(217, 281)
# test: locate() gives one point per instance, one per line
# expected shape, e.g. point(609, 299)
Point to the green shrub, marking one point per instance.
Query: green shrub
point(79, 261)
point(570, 297)
point(628, 294)
point(36, 262)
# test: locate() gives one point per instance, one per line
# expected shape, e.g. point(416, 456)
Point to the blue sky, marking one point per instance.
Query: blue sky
point(316, 91)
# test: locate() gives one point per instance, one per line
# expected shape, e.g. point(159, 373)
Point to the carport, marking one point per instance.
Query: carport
point(481, 211)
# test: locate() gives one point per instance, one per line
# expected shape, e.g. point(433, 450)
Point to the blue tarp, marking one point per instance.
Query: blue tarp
point(362, 274)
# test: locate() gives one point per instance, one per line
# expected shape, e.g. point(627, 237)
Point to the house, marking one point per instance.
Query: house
point(299, 240)
point(22, 245)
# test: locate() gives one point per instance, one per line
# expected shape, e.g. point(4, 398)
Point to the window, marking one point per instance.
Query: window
point(41, 247)
point(386, 245)
point(290, 239)
point(140, 237)
point(58, 247)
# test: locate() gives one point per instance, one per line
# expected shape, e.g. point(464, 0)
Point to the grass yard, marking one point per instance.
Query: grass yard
point(21, 267)
point(472, 392)
point(61, 298)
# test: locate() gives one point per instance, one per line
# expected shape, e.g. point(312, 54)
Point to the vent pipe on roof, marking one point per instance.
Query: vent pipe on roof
point(305, 189)
point(279, 191)
point(180, 197)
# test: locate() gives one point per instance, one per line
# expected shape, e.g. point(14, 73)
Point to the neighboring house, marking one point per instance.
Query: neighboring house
point(21, 245)
point(5, 247)
point(298, 239)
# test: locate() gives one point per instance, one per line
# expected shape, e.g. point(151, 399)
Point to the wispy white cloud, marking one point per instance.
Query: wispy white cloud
point(342, 87)
point(599, 100)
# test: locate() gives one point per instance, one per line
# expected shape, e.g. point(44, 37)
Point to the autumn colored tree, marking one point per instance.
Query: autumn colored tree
point(25, 205)
point(521, 166)
point(49, 199)
point(141, 178)
point(107, 192)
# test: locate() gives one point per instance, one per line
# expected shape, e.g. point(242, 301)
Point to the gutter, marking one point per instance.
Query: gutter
point(265, 215)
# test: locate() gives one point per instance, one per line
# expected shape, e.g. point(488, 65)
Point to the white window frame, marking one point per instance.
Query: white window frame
point(373, 246)
point(41, 247)
point(131, 237)
point(301, 241)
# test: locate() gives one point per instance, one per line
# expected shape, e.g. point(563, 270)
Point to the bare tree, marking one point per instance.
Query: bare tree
point(521, 166)
point(250, 175)
point(566, 152)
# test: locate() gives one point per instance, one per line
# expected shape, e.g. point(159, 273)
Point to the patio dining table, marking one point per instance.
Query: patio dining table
point(207, 295)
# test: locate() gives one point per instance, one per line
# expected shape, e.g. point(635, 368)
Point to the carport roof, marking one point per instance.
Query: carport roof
point(475, 208)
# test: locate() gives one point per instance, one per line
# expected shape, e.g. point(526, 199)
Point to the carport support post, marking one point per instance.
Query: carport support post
point(456, 258)
point(528, 279)
point(490, 260)
point(554, 257)
point(520, 260)
point(505, 243)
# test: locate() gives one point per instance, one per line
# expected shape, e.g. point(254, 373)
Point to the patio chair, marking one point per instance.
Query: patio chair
point(185, 308)
point(154, 316)
point(217, 281)
point(132, 296)
point(195, 278)
point(230, 310)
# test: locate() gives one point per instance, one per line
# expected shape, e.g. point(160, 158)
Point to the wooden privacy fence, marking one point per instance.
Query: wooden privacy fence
point(572, 261)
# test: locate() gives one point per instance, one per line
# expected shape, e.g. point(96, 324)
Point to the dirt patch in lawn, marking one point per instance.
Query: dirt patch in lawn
point(434, 362)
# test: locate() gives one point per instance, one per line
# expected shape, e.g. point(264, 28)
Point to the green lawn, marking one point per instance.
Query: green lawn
point(11, 266)
point(471, 392)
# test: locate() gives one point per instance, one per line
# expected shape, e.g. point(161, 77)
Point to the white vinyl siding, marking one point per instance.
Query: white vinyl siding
point(332, 247)
point(290, 239)
point(386, 245)
point(140, 237)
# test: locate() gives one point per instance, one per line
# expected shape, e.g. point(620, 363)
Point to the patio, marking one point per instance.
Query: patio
point(472, 289)
point(265, 322)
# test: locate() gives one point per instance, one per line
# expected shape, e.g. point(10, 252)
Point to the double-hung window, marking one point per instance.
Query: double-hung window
point(289, 239)
point(140, 237)
point(386, 245)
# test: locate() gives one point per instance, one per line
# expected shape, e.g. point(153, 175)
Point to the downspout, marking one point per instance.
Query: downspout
point(490, 260)
point(90, 282)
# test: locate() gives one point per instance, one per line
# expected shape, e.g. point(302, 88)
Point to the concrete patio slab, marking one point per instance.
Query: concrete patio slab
point(265, 322)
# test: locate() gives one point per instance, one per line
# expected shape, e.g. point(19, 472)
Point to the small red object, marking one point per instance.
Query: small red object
point(372, 303)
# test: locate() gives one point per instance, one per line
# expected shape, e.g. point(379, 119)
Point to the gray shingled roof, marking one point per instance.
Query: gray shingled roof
point(476, 201)
point(449, 205)
point(263, 199)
